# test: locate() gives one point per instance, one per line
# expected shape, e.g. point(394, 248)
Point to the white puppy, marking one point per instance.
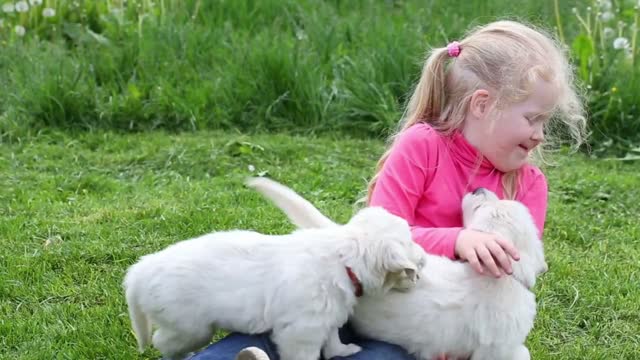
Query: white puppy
point(453, 309)
point(302, 286)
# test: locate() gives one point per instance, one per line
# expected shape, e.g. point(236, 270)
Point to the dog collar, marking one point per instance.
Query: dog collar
point(354, 280)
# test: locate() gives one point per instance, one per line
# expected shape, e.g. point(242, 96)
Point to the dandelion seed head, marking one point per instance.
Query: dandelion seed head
point(48, 12)
point(607, 16)
point(22, 6)
point(608, 32)
point(8, 7)
point(620, 43)
point(300, 34)
point(35, 2)
point(20, 30)
point(605, 5)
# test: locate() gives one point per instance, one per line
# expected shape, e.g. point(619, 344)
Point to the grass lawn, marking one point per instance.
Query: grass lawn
point(298, 65)
point(77, 210)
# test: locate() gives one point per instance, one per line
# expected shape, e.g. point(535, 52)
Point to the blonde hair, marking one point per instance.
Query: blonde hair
point(507, 57)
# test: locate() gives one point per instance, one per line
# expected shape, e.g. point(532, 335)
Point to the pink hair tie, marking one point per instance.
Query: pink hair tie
point(453, 49)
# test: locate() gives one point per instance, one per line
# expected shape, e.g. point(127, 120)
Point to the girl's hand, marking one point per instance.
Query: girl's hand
point(486, 251)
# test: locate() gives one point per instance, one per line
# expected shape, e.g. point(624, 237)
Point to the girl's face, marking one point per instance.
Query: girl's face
point(507, 136)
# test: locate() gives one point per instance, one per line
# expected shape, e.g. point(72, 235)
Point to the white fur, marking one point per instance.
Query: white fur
point(453, 309)
point(300, 211)
point(306, 216)
point(294, 285)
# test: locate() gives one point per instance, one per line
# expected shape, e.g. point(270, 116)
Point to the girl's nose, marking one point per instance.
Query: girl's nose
point(538, 134)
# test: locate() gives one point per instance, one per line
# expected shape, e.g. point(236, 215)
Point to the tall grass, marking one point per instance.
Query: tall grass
point(605, 51)
point(264, 65)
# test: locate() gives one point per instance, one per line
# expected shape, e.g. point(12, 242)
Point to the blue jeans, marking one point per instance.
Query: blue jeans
point(227, 348)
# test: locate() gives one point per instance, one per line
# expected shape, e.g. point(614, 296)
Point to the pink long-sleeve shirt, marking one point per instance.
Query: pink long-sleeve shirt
point(428, 173)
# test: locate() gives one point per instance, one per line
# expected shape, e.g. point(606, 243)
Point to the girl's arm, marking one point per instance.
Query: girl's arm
point(402, 180)
point(401, 183)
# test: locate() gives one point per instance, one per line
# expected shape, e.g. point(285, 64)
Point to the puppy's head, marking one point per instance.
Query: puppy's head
point(387, 258)
point(483, 211)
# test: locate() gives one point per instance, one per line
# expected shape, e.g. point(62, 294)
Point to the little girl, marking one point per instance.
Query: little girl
point(476, 118)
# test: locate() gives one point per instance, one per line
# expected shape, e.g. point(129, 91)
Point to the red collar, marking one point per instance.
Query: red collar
point(355, 281)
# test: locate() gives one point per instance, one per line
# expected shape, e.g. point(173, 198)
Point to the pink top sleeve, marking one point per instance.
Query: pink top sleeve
point(437, 241)
point(402, 182)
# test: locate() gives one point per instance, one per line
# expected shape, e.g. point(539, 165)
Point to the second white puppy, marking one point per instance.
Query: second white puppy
point(302, 286)
point(455, 310)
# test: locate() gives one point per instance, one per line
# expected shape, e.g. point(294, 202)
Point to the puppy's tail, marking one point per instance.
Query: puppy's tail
point(299, 211)
point(140, 323)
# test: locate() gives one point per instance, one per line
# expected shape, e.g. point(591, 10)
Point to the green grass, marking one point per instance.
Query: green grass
point(304, 66)
point(77, 209)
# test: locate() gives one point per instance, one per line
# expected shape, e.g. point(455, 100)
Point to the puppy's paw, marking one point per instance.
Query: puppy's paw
point(351, 349)
point(342, 350)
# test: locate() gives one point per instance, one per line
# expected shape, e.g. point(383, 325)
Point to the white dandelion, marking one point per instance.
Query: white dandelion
point(20, 30)
point(620, 43)
point(22, 6)
point(300, 34)
point(605, 5)
point(48, 12)
point(8, 7)
point(621, 25)
point(35, 2)
point(251, 168)
point(608, 32)
point(607, 16)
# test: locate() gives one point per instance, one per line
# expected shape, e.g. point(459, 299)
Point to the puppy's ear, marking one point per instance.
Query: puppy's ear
point(401, 280)
point(525, 270)
point(412, 274)
point(401, 273)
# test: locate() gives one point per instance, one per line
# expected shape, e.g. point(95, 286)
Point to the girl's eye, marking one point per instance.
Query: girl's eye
point(536, 119)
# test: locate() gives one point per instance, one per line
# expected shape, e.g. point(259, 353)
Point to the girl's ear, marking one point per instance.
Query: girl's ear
point(480, 103)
